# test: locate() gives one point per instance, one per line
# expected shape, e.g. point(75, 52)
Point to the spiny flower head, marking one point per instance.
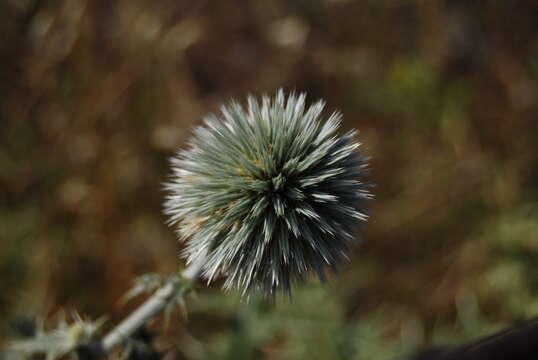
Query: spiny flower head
point(268, 193)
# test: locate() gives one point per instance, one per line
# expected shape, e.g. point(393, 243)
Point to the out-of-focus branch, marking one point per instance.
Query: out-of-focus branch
point(516, 343)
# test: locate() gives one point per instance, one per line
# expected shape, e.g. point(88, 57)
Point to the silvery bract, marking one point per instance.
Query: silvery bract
point(268, 193)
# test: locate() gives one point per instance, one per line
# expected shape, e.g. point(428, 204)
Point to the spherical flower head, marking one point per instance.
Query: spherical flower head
point(268, 194)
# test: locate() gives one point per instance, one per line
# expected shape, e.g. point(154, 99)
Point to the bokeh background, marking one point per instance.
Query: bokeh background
point(95, 96)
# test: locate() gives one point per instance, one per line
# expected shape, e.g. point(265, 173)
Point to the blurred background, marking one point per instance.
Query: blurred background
point(95, 96)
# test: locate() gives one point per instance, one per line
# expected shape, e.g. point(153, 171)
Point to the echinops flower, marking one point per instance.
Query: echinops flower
point(267, 193)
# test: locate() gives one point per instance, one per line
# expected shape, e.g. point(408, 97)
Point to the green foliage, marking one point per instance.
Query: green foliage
point(311, 327)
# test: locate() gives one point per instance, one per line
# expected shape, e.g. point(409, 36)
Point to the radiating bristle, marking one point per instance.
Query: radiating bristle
point(268, 194)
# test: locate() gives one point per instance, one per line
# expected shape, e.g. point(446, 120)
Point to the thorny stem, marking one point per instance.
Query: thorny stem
point(149, 309)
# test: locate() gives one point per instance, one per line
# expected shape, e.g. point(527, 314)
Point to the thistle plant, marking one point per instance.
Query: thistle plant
point(263, 196)
point(62, 340)
point(268, 193)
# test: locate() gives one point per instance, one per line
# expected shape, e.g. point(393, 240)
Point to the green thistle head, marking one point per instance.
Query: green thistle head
point(267, 194)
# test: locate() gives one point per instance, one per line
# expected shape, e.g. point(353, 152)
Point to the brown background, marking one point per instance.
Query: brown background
point(96, 95)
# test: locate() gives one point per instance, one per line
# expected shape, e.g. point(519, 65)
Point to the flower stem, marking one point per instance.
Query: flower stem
point(149, 309)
